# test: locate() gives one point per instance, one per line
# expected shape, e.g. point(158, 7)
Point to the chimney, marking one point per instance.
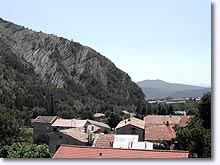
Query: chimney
point(131, 144)
point(172, 146)
point(111, 144)
point(167, 123)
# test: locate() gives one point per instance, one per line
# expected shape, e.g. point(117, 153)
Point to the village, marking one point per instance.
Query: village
point(131, 138)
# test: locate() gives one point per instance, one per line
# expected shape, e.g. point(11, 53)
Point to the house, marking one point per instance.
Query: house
point(179, 120)
point(104, 140)
point(99, 116)
point(160, 127)
point(131, 126)
point(74, 136)
point(87, 152)
point(42, 127)
point(60, 124)
point(180, 113)
point(104, 128)
point(160, 132)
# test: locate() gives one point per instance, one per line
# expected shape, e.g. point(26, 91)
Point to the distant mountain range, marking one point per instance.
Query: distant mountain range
point(160, 89)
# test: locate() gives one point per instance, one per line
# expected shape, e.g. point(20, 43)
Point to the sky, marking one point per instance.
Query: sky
point(148, 39)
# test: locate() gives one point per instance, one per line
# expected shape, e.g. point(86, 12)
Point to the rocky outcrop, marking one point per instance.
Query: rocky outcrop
point(59, 61)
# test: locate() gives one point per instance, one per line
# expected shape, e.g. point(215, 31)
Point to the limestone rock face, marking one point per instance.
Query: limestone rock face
point(59, 61)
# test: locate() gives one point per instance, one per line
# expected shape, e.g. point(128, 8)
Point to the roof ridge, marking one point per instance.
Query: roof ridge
point(171, 131)
point(180, 151)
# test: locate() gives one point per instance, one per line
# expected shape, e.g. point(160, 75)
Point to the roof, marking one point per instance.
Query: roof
point(132, 121)
point(76, 133)
point(70, 151)
point(162, 119)
point(99, 115)
point(184, 121)
point(104, 140)
point(45, 119)
point(93, 128)
point(159, 132)
point(99, 124)
point(71, 123)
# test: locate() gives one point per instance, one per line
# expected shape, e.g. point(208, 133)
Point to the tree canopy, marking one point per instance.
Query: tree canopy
point(18, 150)
point(196, 137)
point(205, 110)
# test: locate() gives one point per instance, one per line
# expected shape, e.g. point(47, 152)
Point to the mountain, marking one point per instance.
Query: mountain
point(56, 75)
point(161, 89)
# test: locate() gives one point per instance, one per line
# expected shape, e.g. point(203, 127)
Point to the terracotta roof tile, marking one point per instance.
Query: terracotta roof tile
point(70, 151)
point(162, 119)
point(132, 121)
point(71, 123)
point(99, 115)
point(45, 119)
point(184, 121)
point(159, 132)
point(93, 128)
point(99, 124)
point(76, 133)
point(104, 140)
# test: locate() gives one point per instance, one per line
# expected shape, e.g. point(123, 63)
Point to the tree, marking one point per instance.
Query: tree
point(205, 110)
point(194, 138)
point(11, 126)
point(36, 111)
point(114, 119)
point(18, 150)
point(170, 110)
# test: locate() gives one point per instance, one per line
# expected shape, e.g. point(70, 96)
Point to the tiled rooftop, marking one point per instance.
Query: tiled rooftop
point(160, 127)
point(76, 133)
point(71, 123)
point(162, 119)
point(99, 115)
point(45, 119)
point(70, 151)
point(99, 124)
point(159, 132)
point(104, 140)
point(132, 121)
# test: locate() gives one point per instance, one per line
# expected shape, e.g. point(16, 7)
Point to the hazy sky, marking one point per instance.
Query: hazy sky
point(148, 39)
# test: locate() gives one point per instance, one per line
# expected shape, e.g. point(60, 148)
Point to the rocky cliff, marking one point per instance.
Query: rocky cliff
point(67, 64)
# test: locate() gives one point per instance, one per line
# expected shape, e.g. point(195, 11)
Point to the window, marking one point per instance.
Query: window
point(133, 131)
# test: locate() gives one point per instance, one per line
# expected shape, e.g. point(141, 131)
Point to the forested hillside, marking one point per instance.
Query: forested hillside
point(50, 75)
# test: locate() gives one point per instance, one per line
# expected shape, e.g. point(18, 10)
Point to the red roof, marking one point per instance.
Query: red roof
point(104, 140)
point(156, 126)
point(180, 120)
point(71, 123)
point(99, 115)
point(132, 121)
point(159, 132)
point(45, 119)
point(70, 151)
